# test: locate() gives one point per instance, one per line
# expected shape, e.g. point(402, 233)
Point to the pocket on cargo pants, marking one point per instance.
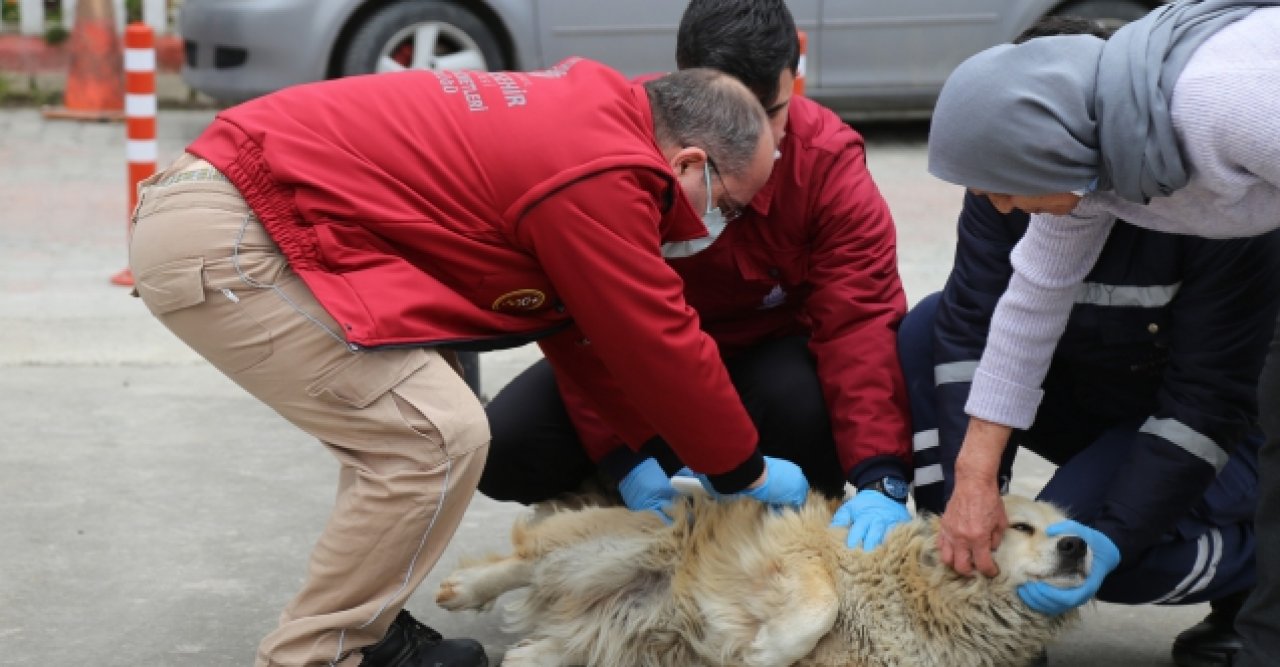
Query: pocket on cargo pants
point(176, 294)
point(393, 401)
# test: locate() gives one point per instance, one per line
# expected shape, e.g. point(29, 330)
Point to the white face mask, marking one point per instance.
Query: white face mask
point(712, 218)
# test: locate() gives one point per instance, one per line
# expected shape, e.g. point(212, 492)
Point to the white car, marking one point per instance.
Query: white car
point(865, 56)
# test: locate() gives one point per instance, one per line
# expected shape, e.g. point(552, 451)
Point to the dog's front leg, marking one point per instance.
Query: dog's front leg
point(477, 586)
point(808, 612)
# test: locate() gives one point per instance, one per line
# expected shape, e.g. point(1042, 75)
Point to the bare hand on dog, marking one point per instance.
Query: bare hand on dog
point(971, 529)
point(974, 520)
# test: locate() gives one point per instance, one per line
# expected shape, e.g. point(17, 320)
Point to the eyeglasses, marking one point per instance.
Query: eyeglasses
point(730, 209)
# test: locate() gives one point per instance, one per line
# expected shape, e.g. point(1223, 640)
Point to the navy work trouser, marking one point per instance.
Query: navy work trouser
point(1207, 555)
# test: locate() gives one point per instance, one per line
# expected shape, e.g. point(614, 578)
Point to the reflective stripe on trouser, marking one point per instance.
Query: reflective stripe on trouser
point(409, 435)
point(1209, 554)
point(915, 353)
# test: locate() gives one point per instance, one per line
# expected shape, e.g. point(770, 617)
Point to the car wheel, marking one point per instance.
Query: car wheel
point(414, 34)
point(1110, 13)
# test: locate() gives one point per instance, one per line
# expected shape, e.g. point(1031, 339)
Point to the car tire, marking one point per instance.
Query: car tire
point(389, 40)
point(1110, 13)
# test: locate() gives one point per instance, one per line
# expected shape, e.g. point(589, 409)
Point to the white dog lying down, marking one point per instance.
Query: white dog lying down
point(733, 583)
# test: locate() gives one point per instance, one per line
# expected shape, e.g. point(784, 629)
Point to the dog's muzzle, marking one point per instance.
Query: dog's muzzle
point(1072, 551)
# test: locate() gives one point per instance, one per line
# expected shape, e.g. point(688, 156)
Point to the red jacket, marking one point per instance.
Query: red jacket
point(484, 209)
point(815, 253)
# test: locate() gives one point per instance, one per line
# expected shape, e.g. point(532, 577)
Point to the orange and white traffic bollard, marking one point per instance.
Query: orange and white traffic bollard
point(140, 116)
point(804, 55)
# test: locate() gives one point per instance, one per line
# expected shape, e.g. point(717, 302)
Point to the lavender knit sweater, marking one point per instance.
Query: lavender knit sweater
point(1226, 113)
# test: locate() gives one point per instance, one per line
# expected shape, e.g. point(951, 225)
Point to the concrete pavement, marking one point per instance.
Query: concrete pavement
point(153, 513)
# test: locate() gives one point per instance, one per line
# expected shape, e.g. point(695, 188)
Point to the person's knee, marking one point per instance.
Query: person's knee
point(513, 478)
point(496, 485)
point(509, 476)
point(1185, 570)
point(529, 470)
point(535, 453)
point(427, 420)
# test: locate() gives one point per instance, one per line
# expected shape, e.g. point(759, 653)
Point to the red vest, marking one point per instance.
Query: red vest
point(487, 208)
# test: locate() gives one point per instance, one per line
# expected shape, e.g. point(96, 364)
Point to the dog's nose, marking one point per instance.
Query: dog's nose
point(1072, 548)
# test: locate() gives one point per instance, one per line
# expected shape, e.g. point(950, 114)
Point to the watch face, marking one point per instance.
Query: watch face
point(896, 487)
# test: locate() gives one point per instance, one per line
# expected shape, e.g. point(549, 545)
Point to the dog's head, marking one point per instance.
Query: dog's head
point(1028, 553)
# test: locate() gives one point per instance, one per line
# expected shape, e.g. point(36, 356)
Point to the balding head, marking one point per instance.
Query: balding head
point(702, 114)
point(711, 110)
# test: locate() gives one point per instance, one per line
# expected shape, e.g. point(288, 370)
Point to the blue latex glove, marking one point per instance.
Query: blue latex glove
point(647, 487)
point(1054, 601)
point(784, 485)
point(869, 515)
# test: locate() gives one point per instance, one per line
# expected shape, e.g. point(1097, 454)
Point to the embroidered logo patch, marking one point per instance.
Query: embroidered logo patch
point(521, 300)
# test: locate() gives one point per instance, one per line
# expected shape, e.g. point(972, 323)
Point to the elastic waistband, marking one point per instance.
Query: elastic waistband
point(186, 176)
point(199, 176)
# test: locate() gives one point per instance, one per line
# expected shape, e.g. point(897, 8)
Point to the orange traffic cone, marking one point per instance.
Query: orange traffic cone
point(95, 80)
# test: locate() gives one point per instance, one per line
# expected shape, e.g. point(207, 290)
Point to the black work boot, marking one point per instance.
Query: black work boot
point(1214, 641)
point(409, 643)
point(1041, 660)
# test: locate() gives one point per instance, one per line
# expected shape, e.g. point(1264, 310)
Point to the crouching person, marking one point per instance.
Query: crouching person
point(1149, 408)
point(319, 245)
point(798, 286)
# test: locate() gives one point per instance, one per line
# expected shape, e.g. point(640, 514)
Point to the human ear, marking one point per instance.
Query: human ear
point(686, 158)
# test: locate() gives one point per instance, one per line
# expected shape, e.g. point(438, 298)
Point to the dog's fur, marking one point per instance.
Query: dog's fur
point(733, 583)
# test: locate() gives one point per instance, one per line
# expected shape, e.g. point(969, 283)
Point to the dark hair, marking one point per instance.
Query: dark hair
point(1064, 25)
point(708, 109)
point(751, 40)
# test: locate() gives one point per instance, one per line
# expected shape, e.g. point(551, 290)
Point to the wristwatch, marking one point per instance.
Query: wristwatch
point(893, 486)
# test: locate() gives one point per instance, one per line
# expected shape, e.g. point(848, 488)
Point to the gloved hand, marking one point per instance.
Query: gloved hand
point(784, 485)
point(1054, 601)
point(869, 515)
point(647, 487)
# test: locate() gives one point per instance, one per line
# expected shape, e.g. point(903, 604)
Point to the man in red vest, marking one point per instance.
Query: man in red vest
point(320, 245)
point(801, 293)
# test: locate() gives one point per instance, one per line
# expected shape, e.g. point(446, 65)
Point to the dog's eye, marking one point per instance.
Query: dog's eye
point(1023, 528)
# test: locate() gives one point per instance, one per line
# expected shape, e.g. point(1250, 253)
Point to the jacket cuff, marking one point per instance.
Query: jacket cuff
point(741, 477)
point(877, 467)
point(1003, 402)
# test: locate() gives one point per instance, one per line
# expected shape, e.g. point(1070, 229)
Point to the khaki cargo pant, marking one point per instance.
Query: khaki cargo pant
point(409, 435)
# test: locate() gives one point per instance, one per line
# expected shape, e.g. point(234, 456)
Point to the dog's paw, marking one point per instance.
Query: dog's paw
point(460, 592)
point(533, 653)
